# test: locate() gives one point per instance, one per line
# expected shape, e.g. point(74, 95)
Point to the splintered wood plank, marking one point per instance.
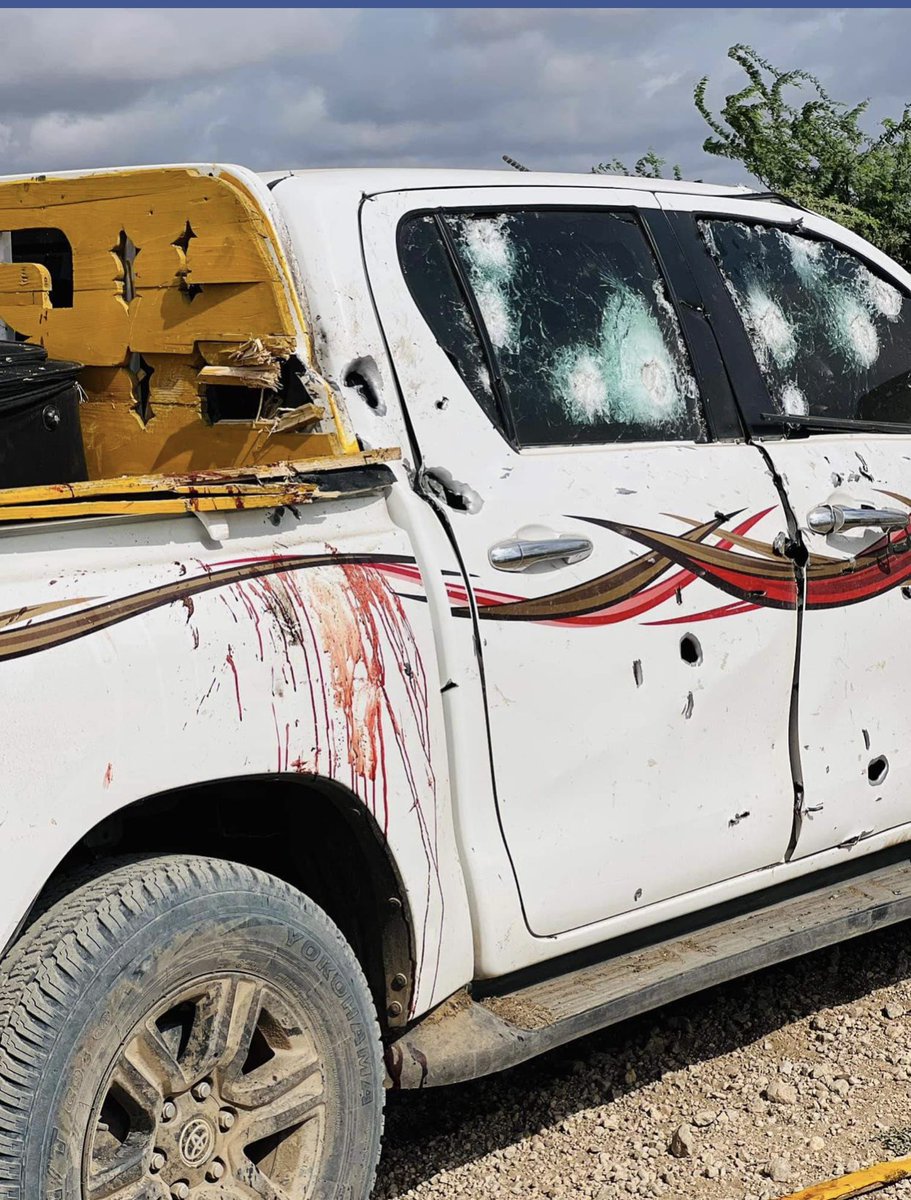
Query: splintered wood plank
point(24, 285)
point(250, 477)
point(226, 490)
point(176, 439)
point(858, 1183)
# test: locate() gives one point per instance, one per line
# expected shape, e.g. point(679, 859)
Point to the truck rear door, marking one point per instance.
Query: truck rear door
point(818, 335)
point(573, 416)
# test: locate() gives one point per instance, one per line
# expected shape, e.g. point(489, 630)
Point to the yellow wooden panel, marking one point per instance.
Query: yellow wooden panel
point(176, 439)
point(207, 271)
point(24, 285)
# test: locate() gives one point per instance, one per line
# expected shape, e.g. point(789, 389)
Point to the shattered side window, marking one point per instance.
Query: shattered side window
point(832, 337)
point(432, 284)
point(585, 341)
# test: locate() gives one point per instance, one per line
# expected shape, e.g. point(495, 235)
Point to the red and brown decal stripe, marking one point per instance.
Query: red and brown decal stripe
point(589, 598)
point(41, 635)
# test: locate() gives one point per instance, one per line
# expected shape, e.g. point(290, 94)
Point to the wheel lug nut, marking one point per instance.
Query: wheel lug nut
point(225, 1120)
point(159, 1158)
point(180, 1191)
point(215, 1171)
point(202, 1091)
point(168, 1111)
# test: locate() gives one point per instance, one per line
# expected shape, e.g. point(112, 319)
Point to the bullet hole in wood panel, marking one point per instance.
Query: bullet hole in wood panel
point(877, 770)
point(142, 374)
point(690, 649)
point(637, 672)
point(126, 252)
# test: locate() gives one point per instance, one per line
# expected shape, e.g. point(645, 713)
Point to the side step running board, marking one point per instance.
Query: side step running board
point(466, 1038)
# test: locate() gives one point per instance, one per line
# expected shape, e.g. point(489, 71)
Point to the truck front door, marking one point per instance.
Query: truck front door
point(573, 419)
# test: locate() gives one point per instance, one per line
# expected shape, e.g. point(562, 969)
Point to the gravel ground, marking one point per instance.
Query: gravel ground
point(747, 1092)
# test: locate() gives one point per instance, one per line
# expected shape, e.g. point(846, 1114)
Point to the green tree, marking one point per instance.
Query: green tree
point(793, 137)
point(649, 166)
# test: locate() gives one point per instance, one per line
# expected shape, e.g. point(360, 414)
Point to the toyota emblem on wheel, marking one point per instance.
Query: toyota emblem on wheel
point(197, 1141)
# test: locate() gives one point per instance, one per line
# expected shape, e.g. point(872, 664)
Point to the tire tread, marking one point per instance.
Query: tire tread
point(42, 974)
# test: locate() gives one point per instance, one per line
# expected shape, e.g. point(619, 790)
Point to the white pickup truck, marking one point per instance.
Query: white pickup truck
point(475, 615)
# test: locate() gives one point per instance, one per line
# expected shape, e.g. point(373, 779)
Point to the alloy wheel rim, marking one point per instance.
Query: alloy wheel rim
point(219, 1090)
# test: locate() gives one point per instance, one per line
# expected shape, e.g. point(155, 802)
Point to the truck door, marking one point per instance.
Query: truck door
point(573, 418)
point(827, 320)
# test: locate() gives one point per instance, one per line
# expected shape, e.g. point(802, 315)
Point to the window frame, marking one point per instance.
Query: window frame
point(750, 388)
point(651, 223)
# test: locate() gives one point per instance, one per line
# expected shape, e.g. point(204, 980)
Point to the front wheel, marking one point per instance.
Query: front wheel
point(185, 1028)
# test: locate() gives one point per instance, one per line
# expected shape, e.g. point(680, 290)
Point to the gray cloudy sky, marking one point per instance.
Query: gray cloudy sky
point(556, 88)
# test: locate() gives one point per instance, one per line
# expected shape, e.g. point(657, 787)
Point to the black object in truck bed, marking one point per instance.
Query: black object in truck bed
point(40, 434)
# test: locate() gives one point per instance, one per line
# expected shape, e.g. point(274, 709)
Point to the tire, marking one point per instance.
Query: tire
point(191, 1028)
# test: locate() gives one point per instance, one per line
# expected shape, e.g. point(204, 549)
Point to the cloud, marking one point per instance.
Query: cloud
point(558, 88)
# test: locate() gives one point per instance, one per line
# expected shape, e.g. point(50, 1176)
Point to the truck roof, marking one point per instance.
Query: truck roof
point(395, 179)
point(371, 180)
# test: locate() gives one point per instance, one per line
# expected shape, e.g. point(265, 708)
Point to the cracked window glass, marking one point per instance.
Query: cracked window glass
point(429, 276)
point(583, 343)
point(832, 337)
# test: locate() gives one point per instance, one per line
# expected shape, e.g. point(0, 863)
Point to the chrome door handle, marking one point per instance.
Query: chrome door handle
point(833, 518)
point(517, 554)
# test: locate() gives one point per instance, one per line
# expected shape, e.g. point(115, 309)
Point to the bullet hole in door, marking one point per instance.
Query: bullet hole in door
point(690, 650)
point(877, 770)
point(362, 376)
